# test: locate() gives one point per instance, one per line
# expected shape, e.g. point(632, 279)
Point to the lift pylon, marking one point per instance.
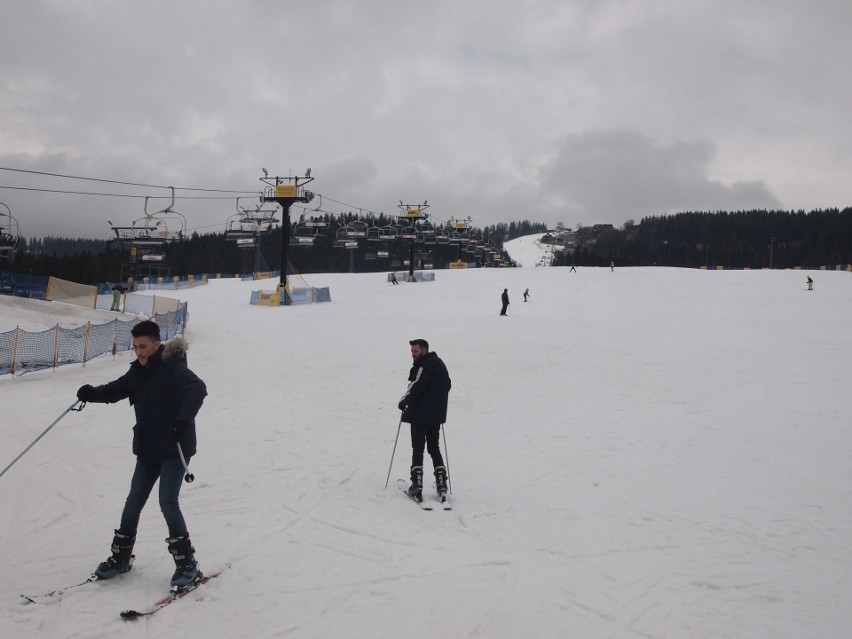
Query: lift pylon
point(285, 191)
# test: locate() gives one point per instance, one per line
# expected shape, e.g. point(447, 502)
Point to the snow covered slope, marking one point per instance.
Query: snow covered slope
point(527, 251)
point(640, 453)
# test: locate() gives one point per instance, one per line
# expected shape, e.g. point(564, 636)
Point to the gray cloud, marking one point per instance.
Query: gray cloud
point(612, 176)
point(541, 109)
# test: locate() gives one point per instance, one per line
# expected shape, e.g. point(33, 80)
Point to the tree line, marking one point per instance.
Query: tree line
point(92, 261)
point(741, 239)
point(692, 239)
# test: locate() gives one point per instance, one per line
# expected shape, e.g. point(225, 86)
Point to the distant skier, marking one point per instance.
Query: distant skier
point(573, 268)
point(611, 266)
point(392, 278)
point(810, 283)
point(526, 294)
point(505, 299)
point(117, 291)
point(166, 397)
point(424, 406)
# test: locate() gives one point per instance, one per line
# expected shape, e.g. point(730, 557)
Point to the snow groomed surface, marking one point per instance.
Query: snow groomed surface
point(648, 452)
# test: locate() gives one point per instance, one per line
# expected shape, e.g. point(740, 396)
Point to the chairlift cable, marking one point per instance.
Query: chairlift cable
point(153, 197)
point(151, 186)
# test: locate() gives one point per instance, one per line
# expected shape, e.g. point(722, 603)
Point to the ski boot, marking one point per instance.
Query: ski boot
point(186, 568)
point(122, 557)
point(415, 491)
point(441, 481)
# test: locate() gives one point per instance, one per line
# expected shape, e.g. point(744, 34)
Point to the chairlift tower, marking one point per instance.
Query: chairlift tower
point(459, 234)
point(285, 191)
point(413, 215)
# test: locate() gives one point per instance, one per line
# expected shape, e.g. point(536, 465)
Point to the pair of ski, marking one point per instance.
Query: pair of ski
point(175, 593)
point(28, 599)
point(442, 500)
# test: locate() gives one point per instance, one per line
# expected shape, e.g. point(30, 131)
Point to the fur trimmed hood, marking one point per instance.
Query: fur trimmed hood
point(176, 347)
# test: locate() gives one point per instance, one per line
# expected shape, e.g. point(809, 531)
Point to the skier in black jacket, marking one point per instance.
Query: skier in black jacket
point(424, 406)
point(166, 397)
point(504, 299)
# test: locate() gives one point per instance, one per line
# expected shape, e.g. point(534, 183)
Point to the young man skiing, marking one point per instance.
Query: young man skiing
point(166, 397)
point(424, 406)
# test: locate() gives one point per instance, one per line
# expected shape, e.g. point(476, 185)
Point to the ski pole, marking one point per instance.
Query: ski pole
point(447, 450)
point(189, 477)
point(394, 451)
point(56, 421)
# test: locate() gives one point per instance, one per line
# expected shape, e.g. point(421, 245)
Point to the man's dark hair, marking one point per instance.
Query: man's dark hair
point(146, 329)
point(420, 342)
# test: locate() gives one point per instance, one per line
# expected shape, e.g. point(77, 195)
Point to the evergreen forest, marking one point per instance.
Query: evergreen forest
point(741, 239)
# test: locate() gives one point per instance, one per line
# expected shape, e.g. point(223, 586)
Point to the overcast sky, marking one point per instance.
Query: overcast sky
point(573, 111)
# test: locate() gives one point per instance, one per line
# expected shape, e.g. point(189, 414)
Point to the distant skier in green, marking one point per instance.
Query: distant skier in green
point(810, 283)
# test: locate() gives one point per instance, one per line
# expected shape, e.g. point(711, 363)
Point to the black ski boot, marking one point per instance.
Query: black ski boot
point(122, 557)
point(441, 481)
point(416, 489)
point(186, 568)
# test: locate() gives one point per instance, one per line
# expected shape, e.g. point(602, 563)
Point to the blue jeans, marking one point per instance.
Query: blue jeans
point(170, 473)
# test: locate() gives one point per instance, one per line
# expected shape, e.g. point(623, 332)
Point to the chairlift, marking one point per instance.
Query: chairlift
point(249, 224)
point(426, 233)
point(304, 235)
point(315, 221)
point(171, 224)
point(343, 239)
point(236, 229)
point(146, 231)
point(408, 233)
point(389, 232)
point(356, 229)
point(9, 236)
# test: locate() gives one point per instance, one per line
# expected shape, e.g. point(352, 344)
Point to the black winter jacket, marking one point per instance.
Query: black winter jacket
point(162, 393)
point(428, 391)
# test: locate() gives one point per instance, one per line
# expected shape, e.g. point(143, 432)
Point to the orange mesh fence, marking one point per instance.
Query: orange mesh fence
point(23, 352)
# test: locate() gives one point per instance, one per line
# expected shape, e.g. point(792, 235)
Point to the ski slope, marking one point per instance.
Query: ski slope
point(649, 452)
point(527, 251)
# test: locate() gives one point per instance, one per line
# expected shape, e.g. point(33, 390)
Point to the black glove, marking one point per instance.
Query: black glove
point(180, 427)
point(402, 405)
point(86, 393)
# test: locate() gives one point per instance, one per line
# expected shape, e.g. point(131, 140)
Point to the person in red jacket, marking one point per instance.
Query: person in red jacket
point(424, 406)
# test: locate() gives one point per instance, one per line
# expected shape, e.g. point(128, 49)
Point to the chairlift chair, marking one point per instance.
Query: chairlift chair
point(304, 235)
point(9, 238)
point(389, 232)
